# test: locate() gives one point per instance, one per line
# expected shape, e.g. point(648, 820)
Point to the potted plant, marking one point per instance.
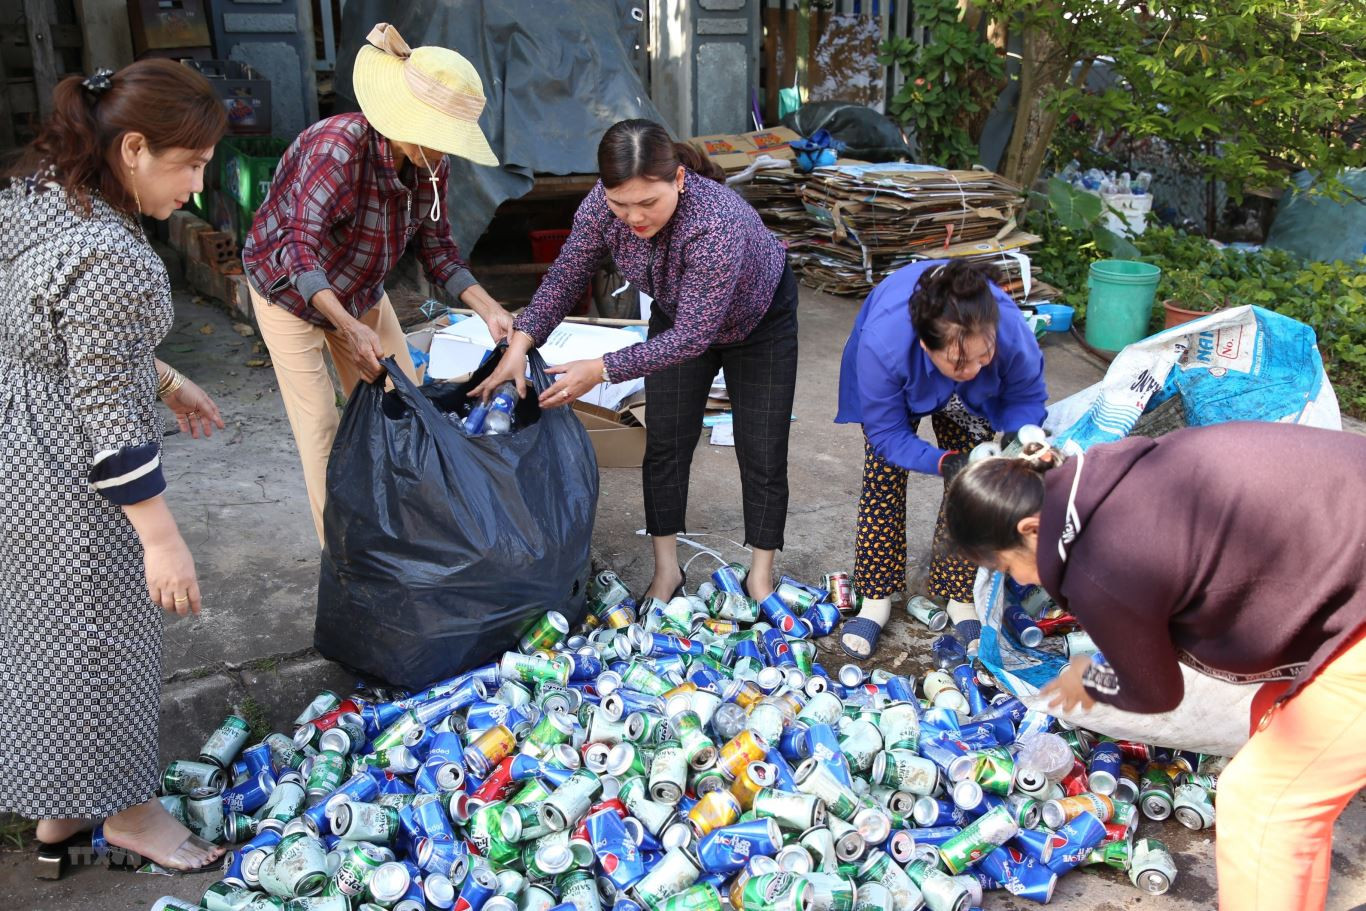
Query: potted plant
point(1189, 295)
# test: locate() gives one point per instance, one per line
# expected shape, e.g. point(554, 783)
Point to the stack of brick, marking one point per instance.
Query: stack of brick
point(213, 266)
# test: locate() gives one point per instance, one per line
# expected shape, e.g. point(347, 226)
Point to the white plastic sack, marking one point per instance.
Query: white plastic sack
point(1212, 717)
point(1244, 364)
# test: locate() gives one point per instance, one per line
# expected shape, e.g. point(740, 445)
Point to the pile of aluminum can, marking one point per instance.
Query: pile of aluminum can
point(683, 756)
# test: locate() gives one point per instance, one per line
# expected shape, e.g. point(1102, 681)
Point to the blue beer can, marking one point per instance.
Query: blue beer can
point(728, 849)
point(251, 795)
point(966, 678)
point(583, 667)
point(1019, 874)
point(1022, 625)
point(776, 612)
point(823, 618)
point(1074, 841)
point(619, 857)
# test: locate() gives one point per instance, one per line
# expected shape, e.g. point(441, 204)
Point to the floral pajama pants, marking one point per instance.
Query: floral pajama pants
point(880, 537)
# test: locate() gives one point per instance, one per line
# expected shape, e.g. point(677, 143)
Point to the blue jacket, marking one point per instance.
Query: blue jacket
point(888, 383)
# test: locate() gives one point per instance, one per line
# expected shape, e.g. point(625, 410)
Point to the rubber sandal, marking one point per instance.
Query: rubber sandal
point(864, 628)
point(50, 859)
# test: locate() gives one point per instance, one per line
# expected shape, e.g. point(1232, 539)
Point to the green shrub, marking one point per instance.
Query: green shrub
point(1330, 297)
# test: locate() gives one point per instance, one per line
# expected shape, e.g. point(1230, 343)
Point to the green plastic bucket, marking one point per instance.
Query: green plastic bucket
point(1121, 302)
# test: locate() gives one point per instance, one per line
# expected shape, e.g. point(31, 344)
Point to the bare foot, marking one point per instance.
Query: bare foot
point(54, 831)
point(150, 831)
point(663, 587)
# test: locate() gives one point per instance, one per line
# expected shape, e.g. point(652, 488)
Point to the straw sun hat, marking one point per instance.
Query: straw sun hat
point(430, 96)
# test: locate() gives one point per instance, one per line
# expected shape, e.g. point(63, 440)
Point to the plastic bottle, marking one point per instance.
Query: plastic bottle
point(499, 419)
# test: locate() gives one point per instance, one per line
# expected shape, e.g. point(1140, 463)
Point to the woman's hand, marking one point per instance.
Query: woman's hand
point(195, 412)
point(490, 311)
point(499, 322)
point(1067, 692)
point(512, 367)
point(575, 379)
point(364, 346)
point(171, 581)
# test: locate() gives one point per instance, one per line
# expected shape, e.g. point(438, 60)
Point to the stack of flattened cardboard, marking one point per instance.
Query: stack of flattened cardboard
point(777, 196)
point(878, 217)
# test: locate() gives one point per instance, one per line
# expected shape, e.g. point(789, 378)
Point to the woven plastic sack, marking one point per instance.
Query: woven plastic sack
point(1212, 717)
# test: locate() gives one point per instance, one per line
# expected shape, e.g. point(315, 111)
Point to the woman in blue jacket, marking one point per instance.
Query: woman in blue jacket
point(938, 339)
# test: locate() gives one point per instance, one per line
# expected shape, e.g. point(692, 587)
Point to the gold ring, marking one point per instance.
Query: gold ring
point(182, 599)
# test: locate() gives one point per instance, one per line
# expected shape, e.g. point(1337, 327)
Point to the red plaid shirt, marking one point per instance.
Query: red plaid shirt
point(339, 216)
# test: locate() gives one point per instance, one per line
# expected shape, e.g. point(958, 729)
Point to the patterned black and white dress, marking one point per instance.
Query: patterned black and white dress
point(84, 301)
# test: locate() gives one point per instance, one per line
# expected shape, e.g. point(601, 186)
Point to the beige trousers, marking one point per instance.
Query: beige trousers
point(310, 397)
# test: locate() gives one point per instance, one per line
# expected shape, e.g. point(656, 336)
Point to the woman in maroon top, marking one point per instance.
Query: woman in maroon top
point(723, 298)
point(1238, 550)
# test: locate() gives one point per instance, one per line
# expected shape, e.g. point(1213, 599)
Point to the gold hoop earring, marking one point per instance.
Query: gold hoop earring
point(133, 181)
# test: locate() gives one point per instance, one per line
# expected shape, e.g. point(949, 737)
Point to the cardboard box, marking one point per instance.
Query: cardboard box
point(161, 25)
point(736, 151)
point(618, 444)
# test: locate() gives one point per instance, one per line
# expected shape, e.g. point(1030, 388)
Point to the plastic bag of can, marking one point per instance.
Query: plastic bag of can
point(441, 547)
point(1212, 718)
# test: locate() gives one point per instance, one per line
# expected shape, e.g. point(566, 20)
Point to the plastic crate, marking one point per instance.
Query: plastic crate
point(545, 245)
point(249, 163)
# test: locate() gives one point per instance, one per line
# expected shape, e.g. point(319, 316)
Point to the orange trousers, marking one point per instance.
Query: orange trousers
point(1279, 797)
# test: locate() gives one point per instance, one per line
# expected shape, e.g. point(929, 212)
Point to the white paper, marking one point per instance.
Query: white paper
point(723, 434)
point(458, 349)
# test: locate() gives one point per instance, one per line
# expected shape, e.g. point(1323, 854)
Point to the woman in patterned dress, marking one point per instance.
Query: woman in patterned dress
point(724, 298)
point(938, 339)
point(88, 548)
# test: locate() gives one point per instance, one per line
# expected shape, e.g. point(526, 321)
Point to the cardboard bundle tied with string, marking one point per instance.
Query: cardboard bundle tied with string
point(868, 220)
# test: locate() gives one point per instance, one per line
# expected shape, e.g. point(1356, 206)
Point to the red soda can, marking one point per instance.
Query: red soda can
point(499, 784)
point(327, 720)
point(1060, 624)
point(1135, 751)
point(1075, 782)
point(1116, 831)
point(841, 590)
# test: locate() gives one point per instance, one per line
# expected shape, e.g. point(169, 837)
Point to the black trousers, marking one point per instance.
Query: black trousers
point(761, 377)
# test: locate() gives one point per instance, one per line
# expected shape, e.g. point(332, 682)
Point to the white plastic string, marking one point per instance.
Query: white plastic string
point(436, 191)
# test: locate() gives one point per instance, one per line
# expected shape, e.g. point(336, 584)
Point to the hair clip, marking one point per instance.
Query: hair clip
point(100, 82)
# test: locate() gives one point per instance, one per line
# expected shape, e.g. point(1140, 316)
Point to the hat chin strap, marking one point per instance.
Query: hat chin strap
point(435, 214)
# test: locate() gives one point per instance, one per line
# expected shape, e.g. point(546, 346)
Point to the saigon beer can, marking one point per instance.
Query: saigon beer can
point(358, 864)
point(794, 811)
point(569, 803)
point(776, 892)
point(880, 868)
point(977, 839)
point(301, 864)
point(226, 742)
point(1151, 867)
point(675, 871)
point(906, 770)
point(928, 613)
point(1193, 807)
point(182, 776)
point(204, 813)
point(1155, 793)
point(699, 897)
point(940, 891)
point(372, 822)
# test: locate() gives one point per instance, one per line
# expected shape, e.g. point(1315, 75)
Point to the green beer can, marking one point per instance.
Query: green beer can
point(225, 743)
point(776, 892)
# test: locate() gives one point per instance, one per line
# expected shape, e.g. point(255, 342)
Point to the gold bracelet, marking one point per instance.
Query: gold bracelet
point(174, 380)
point(164, 381)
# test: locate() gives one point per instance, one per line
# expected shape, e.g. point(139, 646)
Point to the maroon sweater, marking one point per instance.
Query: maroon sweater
point(1238, 549)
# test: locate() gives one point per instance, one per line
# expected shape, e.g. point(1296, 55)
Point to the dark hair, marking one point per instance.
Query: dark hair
point(985, 503)
point(643, 148)
point(953, 302)
point(167, 102)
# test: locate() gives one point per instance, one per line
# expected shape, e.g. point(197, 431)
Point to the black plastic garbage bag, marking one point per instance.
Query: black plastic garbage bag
point(442, 547)
point(867, 134)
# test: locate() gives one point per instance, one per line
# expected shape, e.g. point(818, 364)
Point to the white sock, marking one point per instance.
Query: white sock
point(879, 610)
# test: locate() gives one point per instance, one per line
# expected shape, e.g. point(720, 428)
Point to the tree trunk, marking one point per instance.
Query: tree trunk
point(1045, 67)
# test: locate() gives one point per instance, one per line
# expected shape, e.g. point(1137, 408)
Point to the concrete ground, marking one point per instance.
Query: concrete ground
point(240, 503)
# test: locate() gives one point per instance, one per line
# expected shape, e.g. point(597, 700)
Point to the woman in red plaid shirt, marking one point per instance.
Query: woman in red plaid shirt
point(349, 195)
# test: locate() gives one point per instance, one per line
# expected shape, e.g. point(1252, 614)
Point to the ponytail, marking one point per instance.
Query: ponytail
point(643, 148)
point(171, 105)
point(985, 503)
